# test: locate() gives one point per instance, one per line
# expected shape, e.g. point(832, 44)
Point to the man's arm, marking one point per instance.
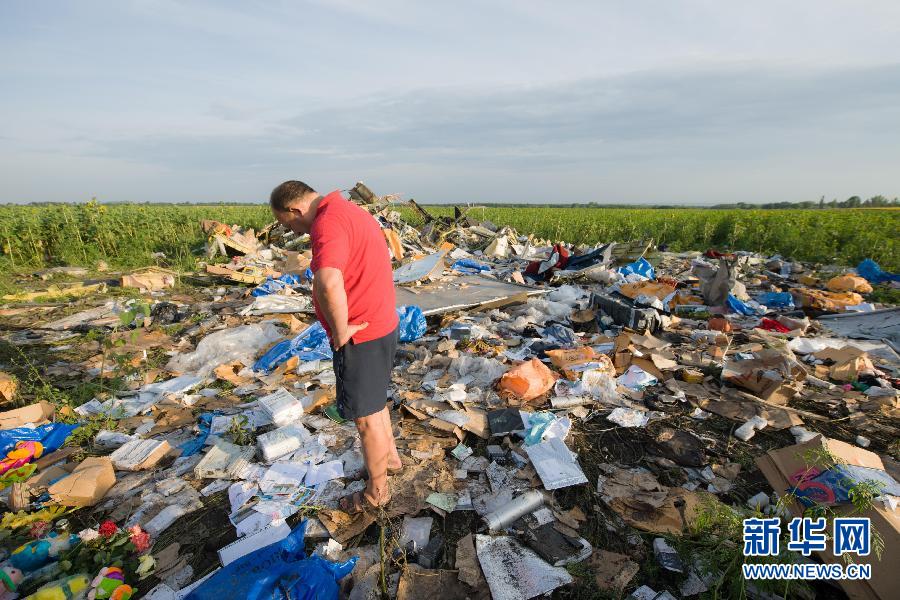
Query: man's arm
point(331, 297)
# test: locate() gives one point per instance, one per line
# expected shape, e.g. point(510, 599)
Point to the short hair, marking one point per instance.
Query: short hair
point(286, 193)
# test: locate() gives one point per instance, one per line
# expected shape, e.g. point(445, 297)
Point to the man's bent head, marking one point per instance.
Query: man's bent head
point(293, 204)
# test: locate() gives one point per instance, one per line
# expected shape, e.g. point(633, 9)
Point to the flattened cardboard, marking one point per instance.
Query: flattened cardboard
point(87, 485)
point(779, 465)
point(38, 414)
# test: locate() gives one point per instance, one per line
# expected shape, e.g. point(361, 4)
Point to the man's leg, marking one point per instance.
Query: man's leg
point(376, 451)
point(393, 461)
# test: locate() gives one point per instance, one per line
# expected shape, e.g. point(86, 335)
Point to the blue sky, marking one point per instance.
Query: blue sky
point(693, 102)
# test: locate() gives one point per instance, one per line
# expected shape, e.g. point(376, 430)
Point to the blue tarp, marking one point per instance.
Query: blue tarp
point(870, 270)
point(280, 571)
point(640, 267)
point(312, 343)
point(52, 436)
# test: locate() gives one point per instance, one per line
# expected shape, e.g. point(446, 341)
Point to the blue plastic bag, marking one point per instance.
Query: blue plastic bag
point(52, 436)
point(640, 267)
point(776, 299)
point(279, 571)
point(191, 447)
point(272, 285)
point(310, 344)
point(870, 270)
point(412, 323)
point(739, 307)
point(469, 266)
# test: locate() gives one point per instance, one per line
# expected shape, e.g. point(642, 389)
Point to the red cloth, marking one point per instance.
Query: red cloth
point(346, 237)
point(772, 325)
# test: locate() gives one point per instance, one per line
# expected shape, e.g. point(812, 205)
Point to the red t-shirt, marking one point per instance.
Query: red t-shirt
point(346, 237)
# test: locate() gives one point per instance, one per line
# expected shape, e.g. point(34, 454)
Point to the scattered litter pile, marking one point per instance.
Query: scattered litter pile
point(591, 417)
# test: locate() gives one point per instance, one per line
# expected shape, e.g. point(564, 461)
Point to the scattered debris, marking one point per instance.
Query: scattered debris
point(204, 412)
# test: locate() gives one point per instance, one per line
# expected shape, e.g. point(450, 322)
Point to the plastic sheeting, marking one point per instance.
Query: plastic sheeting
point(280, 571)
point(742, 308)
point(273, 285)
point(873, 273)
point(225, 346)
point(52, 436)
point(310, 344)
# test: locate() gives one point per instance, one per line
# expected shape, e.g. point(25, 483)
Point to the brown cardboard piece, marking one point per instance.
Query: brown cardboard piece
point(149, 279)
point(779, 465)
point(7, 386)
point(39, 413)
point(296, 262)
point(87, 484)
point(849, 362)
point(612, 571)
point(771, 376)
point(39, 482)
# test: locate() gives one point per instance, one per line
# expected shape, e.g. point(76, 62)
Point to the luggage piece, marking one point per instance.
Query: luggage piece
point(623, 312)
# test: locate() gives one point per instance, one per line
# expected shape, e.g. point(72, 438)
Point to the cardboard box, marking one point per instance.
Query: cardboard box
point(39, 413)
point(779, 466)
point(87, 485)
point(296, 262)
point(770, 376)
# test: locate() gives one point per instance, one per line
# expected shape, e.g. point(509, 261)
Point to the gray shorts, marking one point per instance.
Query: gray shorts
point(363, 374)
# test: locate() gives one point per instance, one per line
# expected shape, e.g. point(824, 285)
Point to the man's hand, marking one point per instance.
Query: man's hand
point(342, 338)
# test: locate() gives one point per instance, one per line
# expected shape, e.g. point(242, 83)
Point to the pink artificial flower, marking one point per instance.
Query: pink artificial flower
point(39, 529)
point(140, 539)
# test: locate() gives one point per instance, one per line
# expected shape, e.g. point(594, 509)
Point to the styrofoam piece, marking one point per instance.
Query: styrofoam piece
point(275, 532)
point(281, 407)
point(284, 440)
point(746, 431)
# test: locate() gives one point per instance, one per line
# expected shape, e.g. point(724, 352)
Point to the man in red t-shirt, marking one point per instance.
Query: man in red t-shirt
point(353, 294)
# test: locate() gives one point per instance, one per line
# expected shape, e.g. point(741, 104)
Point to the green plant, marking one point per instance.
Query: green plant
point(240, 431)
point(83, 437)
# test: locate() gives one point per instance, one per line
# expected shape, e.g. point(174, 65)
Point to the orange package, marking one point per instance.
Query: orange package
point(528, 380)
